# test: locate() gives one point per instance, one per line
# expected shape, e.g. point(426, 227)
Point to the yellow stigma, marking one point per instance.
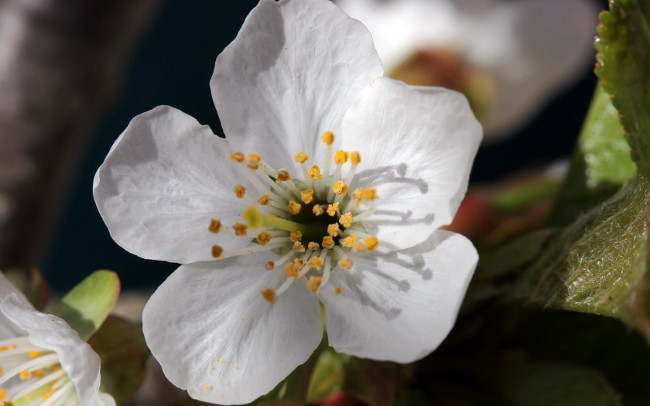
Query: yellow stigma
point(333, 229)
point(237, 156)
point(314, 173)
point(264, 238)
point(313, 245)
point(217, 251)
point(340, 188)
point(254, 217)
point(328, 242)
point(240, 229)
point(346, 220)
point(301, 157)
point(269, 265)
point(291, 269)
point(369, 194)
point(240, 190)
point(264, 200)
point(340, 157)
point(349, 241)
point(215, 226)
point(314, 283)
point(294, 207)
point(307, 196)
point(355, 158)
point(328, 138)
point(338, 290)
point(295, 236)
point(315, 262)
point(372, 243)
point(317, 210)
point(269, 295)
point(283, 176)
point(332, 208)
point(345, 263)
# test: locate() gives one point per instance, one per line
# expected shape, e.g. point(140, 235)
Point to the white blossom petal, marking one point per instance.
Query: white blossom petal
point(49, 332)
point(292, 71)
point(216, 336)
point(7, 328)
point(399, 307)
point(162, 182)
point(417, 146)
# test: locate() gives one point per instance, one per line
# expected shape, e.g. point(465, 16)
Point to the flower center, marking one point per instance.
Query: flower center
point(311, 222)
point(30, 375)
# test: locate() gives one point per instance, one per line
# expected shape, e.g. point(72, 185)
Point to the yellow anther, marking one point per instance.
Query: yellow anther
point(237, 156)
point(313, 245)
point(314, 283)
point(295, 236)
point(328, 242)
point(269, 265)
point(25, 375)
point(346, 220)
point(307, 196)
point(355, 158)
point(283, 176)
point(315, 262)
point(3, 394)
point(215, 226)
point(291, 269)
point(340, 188)
point(332, 208)
point(269, 295)
point(217, 251)
point(2, 371)
point(301, 157)
point(314, 173)
point(253, 217)
point(33, 354)
point(317, 210)
point(208, 387)
point(264, 238)
point(7, 347)
point(240, 190)
point(349, 241)
point(264, 200)
point(357, 195)
point(297, 246)
point(345, 263)
point(369, 194)
point(333, 230)
point(253, 161)
point(294, 207)
point(240, 229)
point(338, 290)
point(340, 157)
point(327, 137)
point(372, 243)
point(359, 246)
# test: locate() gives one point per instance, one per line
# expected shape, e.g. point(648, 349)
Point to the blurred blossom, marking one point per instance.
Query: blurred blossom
point(508, 57)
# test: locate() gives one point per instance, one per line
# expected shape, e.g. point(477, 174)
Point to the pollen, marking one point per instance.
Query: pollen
point(269, 265)
point(349, 241)
point(317, 210)
point(7, 347)
point(291, 269)
point(253, 161)
point(237, 156)
point(33, 354)
point(346, 220)
point(369, 194)
point(217, 251)
point(340, 188)
point(240, 229)
point(264, 200)
point(355, 158)
point(283, 176)
point(314, 283)
point(333, 230)
point(301, 157)
point(269, 295)
point(313, 245)
point(314, 173)
point(372, 243)
point(307, 196)
point(328, 138)
point(357, 195)
point(295, 236)
point(340, 157)
point(345, 263)
point(338, 290)
point(25, 375)
point(332, 208)
point(298, 247)
point(315, 262)
point(240, 190)
point(215, 226)
point(328, 242)
point(264, 238)
point(294, 207)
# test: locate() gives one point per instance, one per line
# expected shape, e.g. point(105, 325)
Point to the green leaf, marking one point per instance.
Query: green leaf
point(123, 352)
point(88, 304)
point(328, 376)
point(624, 70)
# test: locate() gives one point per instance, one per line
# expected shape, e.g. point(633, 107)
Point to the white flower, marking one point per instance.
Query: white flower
point(42, 360)
point(510, 57)
point(292, 218)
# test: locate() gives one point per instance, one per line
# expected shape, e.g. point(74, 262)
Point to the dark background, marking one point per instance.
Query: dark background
point(173, 65)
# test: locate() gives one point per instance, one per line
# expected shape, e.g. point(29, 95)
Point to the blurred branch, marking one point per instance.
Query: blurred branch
point(61, 65)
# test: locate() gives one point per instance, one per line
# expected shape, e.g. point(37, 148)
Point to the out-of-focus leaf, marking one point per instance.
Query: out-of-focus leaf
point(328, 375)
point(88, 304)
point(32, 283)
point(123, 352)
point(375, 382)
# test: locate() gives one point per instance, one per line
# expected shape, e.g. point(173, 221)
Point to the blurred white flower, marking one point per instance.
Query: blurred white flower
point(508, 57)
point(42, 360)
point(343, 181)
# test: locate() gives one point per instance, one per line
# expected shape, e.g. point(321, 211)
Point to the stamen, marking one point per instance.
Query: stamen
point(253, 161)
point(314, 173)
point(298, 247)
point(333, 230)
point(345, 263)
point(355, 158)
point(317, 210)
point(291, 269)
point(359, 246)
point(307, 196)
point(315, 262)
point(313, 245)
point(237, 156)
point(346, 220)
point(294, 207)
point(349, 241)
point(327, 271)
point(338, 290)
point(340, 188)
point(269, 295)
point(240, 190)
point(357, 195)
point(240, 229)
point(269, 265)
point(264, 238)
point(328, 138)
point(217, 251)
point(340, 157)
point(264, 199)
point(328, 242)
point(283, 176)
point(369, 194)
point(301, 157)
point(295, 236)
point(314, 283)
point(372, 243)
point(215, 226)
point(332, 209)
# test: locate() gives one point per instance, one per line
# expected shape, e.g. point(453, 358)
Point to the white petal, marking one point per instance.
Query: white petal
point(399, 307)
point(417, 147)
point(7, 328)
point(49, 332)
point(106, 400)
point(292, 71)
point(216, 336)
point(163, 180)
